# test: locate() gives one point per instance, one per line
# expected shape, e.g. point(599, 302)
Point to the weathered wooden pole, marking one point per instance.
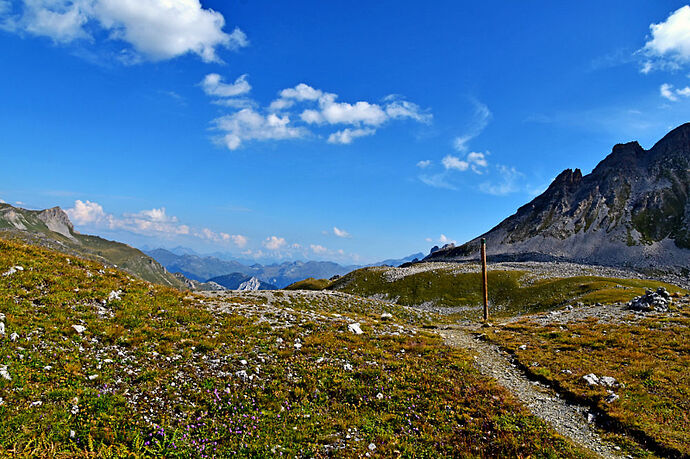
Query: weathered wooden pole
point(485, 288)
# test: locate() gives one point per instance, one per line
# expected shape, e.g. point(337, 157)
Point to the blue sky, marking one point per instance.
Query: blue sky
point(348, 131)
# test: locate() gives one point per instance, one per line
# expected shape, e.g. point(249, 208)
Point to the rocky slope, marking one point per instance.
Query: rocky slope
point(239, 281)
point(631, 210)
point(52, 228)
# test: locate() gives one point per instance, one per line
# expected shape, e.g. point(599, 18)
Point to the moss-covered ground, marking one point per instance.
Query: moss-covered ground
point(157, 372)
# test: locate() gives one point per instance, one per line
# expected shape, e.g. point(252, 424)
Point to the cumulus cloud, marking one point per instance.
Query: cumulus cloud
point(247, 124)
point(340, 232)
point(424, 164)
point(150, 222)
point(443, 239)
point(155, 29)
point(300, 109)
point(346, 136)
point(318, 249)
point(474, 161)
point(213, 85)
point(669, 43)
point(86, 212)
point(274, 243)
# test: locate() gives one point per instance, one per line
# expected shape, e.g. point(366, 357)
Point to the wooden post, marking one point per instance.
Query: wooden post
point(485, 288)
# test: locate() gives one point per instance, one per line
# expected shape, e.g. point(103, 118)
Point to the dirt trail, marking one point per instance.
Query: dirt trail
point(567, 419)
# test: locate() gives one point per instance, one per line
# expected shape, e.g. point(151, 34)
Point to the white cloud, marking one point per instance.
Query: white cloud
point(424, 164)
point(481, 117)
point(340, 232)
point(247, 124)
point(437, 181)
point(156, 29)
point(299, 109)
point(346, 136)
point(669, 44)
point(274, 243)
point(474, 161)
point(213, 86)
point(301, 92)
point(318, 249)
point(508, 183)
point(443, 239)
point(150, 222)
point(667, 92)
point(400, 109)
point(454, 163)
point(85, 213)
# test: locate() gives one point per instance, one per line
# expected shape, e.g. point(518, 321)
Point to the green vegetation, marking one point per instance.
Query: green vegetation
point(157, 372)
point(310, 284)
point(37, 232)
point(650, 357)
point(509, 293)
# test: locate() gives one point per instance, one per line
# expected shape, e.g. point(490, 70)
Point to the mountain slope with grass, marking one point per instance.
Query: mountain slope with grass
point(631, 210)
point(52, 228)
point(95, 363)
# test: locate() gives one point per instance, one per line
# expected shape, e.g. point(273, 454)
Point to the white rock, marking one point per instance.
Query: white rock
point(608, 381)
point(92, 377)
point(47, 367)
point(243, 362)
point(347, 367)
point(37, 403)
point(612, 398)
point(72, 434)
point(2, 316)
point(14, 336)
point(2, 328)
point(379, 396)
point(386, 316)
point(79, 328)
point(75, 409)
point(591, 379)
point(523, 347)
point(279, 340)
point(355, 328)
point(114, 295)
point(372, 447)
point(298, 345)
point(2, 402)
point(4, 373)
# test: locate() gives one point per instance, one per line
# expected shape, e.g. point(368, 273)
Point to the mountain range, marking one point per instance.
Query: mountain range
point(207, 268)
point(632, 210)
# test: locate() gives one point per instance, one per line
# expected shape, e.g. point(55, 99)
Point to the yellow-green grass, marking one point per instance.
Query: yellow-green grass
point(166, 377)
point(310, 284)
point(509, 295)
point(651, 357)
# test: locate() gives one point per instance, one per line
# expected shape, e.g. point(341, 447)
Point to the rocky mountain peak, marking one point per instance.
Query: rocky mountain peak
point(57, 220)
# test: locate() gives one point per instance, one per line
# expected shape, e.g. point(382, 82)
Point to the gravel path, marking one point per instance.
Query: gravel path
point(567, 419)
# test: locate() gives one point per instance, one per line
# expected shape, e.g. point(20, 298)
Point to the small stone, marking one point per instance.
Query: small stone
point(14, 336)
point(72, 434)
point(608, 381)
point(2, 316)
point(590, 417)
point(371, 447)
point(79, 328)
point(386, 316)
point(243, 362)
point(2, 328)
point(523, 347)
point(379, 396)
point(47, 367)
point(4, 373)
point(75, 409)
point(114, 295)
point(566, 372)
point(591, 379)
point(611, 398)
point(298, 345)
point(347, 367)
point(37, 403)
point(355, 328)
point(92, 377)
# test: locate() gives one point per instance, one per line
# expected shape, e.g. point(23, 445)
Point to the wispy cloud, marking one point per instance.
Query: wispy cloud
point(340, 232)
point(481, 117)
point(507, 183)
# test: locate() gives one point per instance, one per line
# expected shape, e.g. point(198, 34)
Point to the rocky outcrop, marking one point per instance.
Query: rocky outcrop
point(631, 210)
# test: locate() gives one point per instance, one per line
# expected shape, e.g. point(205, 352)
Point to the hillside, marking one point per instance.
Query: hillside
point(94, 363)
point(631, 210)
point(52, 228)
point(514, 288)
